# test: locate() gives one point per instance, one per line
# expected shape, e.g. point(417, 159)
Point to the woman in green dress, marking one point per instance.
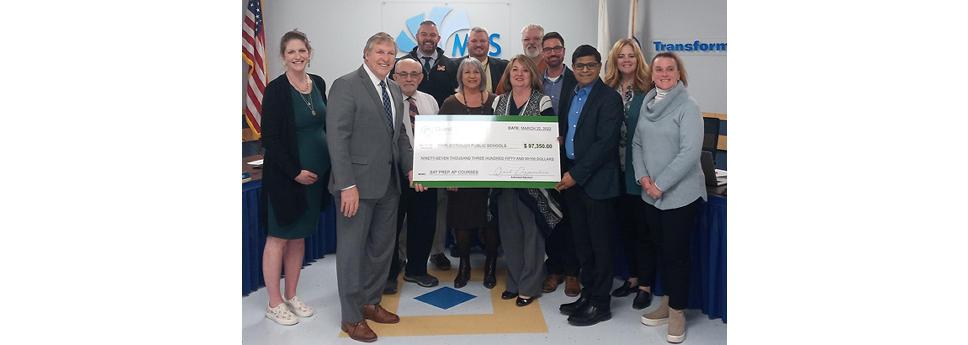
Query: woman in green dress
point(296, 171)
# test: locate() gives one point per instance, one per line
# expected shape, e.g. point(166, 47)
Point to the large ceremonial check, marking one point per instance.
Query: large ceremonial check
point(486, 151)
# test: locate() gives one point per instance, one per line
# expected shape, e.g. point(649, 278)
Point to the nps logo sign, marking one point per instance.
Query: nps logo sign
point(450, 23)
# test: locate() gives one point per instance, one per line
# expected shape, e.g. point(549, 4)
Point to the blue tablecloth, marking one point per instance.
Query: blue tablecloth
point(707, 278)
point(254, 238)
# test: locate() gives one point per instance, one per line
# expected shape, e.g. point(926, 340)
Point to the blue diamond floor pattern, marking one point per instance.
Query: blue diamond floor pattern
point(445, 297)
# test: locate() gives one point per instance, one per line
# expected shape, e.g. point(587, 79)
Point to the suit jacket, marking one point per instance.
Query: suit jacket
point(281, 152)
point(363, 148)
point(496, 67)
point(595, 168)
point(442, 79)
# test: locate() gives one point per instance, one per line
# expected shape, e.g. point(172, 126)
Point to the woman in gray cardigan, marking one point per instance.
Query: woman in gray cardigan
point(665, 149)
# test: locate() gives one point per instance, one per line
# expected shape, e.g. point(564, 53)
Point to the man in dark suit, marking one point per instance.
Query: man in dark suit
point(367, 143)
point(440, 72)
point(590, 131)
point(562, 262)
point(478, 45)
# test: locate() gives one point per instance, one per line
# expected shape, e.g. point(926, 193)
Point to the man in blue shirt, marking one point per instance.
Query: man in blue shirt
point(590, 182)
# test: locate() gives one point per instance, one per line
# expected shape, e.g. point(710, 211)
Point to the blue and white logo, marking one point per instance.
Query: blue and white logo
point(695, 46)
point(450, 22)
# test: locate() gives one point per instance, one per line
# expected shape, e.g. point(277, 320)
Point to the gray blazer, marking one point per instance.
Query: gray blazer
point(364, 150)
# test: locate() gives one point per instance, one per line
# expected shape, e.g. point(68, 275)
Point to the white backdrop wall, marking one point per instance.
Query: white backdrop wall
point(338, 30)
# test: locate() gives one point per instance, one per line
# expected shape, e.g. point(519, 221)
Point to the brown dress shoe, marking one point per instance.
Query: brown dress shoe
point(572, 288)
point(359, 331)
point(376, 313)
point(551, 283)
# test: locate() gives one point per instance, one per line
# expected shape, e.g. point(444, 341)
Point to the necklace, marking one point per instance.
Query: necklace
point(308, 100)
point(302, 94)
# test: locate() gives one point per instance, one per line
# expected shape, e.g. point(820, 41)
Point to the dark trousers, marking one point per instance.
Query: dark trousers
point(671, 231)
point(420, 210)
point(560, 248)
point(592, 222)
point(635, 237)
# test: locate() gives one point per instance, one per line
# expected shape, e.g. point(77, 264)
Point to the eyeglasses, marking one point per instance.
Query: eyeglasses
point(581, 66)
point(557, 49)
point(413, 75)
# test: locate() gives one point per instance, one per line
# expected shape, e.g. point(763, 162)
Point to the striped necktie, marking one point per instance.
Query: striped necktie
point(386, 104)
point(413, 110)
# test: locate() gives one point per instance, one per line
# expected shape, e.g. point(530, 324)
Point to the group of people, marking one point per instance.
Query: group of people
point(630, 147)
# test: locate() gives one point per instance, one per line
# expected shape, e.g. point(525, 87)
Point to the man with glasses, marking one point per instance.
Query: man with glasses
point(419, 209)
point(590, 131)
point(562, 262)
point(531, 35)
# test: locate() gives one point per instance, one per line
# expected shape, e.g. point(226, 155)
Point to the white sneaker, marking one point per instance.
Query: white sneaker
point(299, 308)
point(281, 315)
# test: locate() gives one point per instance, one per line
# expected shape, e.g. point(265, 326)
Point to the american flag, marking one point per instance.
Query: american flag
point(254, 54)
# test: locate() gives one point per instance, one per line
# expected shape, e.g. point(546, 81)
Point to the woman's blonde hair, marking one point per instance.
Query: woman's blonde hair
point(613, 77)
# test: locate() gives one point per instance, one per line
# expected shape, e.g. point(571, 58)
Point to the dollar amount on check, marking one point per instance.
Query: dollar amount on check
point(486, 151)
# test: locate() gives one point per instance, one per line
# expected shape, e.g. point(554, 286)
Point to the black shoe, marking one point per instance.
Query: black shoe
point(425, 280)
point(642, 300)
point(508, 295)
point(440, 261)
point(463, 272)
point(589, 315)
point(524, 301)
point(490, 268)
point(390, 288)
point(570, 308)
point(624, 290)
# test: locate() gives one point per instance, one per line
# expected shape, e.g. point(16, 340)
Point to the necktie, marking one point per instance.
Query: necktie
point(426, 67)
point(413, 110)
point(386, 103)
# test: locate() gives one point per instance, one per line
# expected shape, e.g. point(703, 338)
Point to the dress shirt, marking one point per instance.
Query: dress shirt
point(577, 103)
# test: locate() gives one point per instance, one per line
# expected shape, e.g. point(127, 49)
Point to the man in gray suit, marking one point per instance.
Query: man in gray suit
point(367, 143)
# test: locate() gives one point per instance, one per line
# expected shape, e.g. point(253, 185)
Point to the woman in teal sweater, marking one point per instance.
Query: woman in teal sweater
point(628, 74)
point(665, 154)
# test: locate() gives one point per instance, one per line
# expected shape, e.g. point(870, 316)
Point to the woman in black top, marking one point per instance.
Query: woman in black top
point(296, 171)
point(467, 207)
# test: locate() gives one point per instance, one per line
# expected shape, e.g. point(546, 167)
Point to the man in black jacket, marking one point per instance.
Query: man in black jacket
point(440, 72)
point(589, 126)
point(478, 46)
point(439, 80)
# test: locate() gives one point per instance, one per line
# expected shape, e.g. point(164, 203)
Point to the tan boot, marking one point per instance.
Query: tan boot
point(658, 316)
point(551, 283)
point(572, 287)
point(677, 326)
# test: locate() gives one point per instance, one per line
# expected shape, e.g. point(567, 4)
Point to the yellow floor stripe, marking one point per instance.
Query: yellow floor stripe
point(507, 317)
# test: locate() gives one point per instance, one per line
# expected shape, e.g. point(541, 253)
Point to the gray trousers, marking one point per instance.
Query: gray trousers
point(524, 247)
point(364, 245)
